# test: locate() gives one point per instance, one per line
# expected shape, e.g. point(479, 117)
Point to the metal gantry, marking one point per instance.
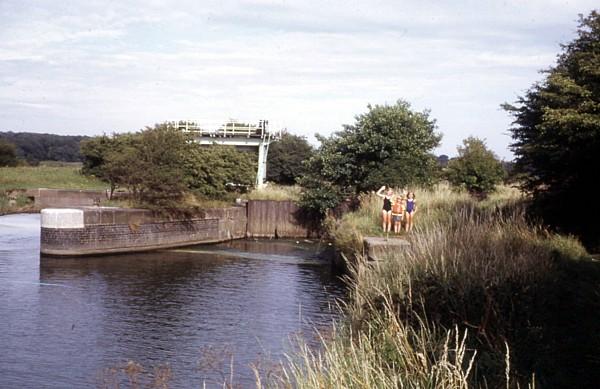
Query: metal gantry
point(238, 134)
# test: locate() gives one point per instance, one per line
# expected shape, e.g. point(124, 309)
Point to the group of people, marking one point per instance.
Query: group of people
point(397, 208)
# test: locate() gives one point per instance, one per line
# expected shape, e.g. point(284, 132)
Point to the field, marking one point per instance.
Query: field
point(51, 177)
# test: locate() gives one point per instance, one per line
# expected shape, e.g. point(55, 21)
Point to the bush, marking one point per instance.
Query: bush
point(476, 168)
point(215, 170)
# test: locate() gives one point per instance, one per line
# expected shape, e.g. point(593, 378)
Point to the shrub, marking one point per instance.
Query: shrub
point(476, 168)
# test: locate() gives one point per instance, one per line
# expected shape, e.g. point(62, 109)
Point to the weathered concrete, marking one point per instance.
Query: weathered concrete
point(377, 248)
point(62, 218)
point(99, 230)
point(275, 219)
point(65, 198)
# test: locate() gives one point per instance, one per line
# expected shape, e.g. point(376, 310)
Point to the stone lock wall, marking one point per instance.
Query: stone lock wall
point(97, 230)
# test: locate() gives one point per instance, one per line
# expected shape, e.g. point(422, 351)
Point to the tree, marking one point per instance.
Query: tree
point(8, 154)
point(152, 165)
point(159, 165)
point(148, 163)
point(285, 163)
point(94, 152)
point(34, 147)
point(556, 135)
point(476, 168)
point(388, 145)
point(212, 171)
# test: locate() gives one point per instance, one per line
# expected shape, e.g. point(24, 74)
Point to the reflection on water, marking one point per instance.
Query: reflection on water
point(64, 320)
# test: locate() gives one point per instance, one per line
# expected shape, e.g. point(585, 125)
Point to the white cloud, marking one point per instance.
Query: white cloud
point(74, 67)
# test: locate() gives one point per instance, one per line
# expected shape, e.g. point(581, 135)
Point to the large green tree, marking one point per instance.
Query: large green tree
point(388, 145)
point(286, 159)
point(476, 168)
point(8, 154)
point(556, 135)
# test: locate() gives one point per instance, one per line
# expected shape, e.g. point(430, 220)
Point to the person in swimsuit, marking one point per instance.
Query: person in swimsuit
point(411, 209)
point(386, 212)
point(397, 213)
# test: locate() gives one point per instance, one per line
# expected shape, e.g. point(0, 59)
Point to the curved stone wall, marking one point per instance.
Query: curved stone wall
point(99, 230)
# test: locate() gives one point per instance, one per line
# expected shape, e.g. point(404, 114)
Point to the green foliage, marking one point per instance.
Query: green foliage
point(160, 165)
point(95, 152)
point(556, 135)
point(476, 168)
point(389, 145)
point(148, 163)
point(8, 154)
point(34, 147)
point(286, 159)
point(319, 196)
point(210, 170)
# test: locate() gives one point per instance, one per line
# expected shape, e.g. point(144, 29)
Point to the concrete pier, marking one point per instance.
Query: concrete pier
point(379, 248)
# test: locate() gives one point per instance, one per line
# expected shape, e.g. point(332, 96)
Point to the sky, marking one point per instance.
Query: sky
point(93, 67)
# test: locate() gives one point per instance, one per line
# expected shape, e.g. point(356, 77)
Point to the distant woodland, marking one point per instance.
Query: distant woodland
point(35, 148)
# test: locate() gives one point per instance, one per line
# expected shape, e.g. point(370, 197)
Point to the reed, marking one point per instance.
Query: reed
point(478, 300)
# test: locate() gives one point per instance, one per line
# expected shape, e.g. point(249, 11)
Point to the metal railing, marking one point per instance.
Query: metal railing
point(230, 129)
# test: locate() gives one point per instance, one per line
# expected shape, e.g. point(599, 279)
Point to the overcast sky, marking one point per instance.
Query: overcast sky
point(88, 67)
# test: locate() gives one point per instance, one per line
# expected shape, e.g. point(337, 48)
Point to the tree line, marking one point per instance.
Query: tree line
point(33, 148)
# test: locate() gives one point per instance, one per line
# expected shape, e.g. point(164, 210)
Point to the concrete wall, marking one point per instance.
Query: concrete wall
point(274, 219)
point(60, 198)
point(97, 230)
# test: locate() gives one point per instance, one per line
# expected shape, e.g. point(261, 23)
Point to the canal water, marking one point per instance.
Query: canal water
point(200, 314)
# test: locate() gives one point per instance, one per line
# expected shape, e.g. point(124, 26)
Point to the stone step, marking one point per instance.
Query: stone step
point(378, 248)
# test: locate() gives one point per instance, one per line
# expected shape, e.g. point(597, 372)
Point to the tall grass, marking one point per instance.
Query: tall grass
point(52, 177)
point(274, 192)
point(387, 355)
point(481, 298)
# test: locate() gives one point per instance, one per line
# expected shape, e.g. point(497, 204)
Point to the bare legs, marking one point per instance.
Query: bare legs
point(387, 220)
point(397, 226)
point(409, 221)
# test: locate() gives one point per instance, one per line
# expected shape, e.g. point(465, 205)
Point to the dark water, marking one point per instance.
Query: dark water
point(65, 322)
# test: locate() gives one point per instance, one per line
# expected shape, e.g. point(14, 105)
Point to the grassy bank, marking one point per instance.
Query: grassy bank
point(480, 299)
point(436, 206)
point(52, 177)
